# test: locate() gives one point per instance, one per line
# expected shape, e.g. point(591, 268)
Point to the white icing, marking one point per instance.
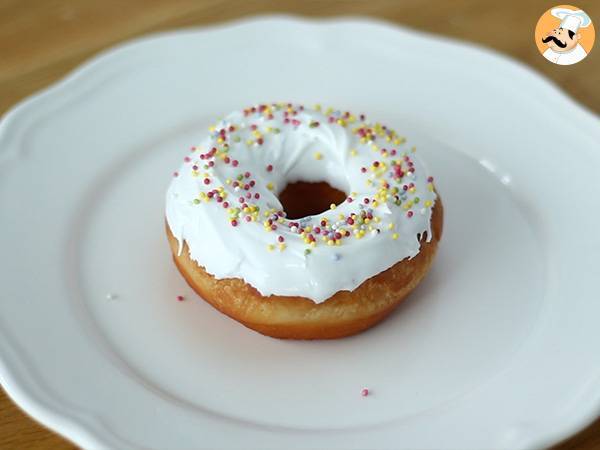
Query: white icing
point(242, 251)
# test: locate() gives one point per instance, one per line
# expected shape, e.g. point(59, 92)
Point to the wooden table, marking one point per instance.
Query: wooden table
point(42, 40)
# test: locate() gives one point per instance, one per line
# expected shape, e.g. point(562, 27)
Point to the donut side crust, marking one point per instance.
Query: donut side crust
point(343, 314)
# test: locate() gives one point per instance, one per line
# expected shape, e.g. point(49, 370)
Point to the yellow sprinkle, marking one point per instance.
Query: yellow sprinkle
point(395, 236)
point(270, 186)
point(308, 229)
point(341, 217)
point(338, 242)
point(332, 206)
point(317, 107)
point(375, 203)
point(270, 247)
point(427, 203)
point(391, 226)
point(318, 155)
point(353, 152)
point(330, 242)
point(249, 142)
point(281, 247)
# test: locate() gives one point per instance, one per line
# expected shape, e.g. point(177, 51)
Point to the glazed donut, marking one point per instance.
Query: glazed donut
point(246, 233)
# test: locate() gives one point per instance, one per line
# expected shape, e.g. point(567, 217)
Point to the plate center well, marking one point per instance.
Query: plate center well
point(460, 327)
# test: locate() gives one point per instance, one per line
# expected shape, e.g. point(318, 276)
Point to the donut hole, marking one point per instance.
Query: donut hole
point(302, 199)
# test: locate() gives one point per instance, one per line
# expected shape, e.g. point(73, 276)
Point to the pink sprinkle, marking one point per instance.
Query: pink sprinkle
point(180, 298)
point(234, 223)
point(281, 239)
point(206, 181)
point(225, 204)
point(409, 214)
point(270, 168)
point(257, 196)
point(429, 179)
point(175, 174)
point(364, 392)
point(187, 159)
point(235, 163)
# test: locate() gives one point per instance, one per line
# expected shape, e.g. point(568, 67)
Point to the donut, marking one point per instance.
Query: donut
point(303, 223)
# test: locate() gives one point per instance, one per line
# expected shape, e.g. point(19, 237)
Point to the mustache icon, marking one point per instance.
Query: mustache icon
point(555, 40)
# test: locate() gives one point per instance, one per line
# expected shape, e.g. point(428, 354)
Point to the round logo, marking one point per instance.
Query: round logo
point(565, 35)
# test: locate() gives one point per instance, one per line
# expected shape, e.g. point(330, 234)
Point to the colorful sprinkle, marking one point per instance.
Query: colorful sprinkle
point(387, 167)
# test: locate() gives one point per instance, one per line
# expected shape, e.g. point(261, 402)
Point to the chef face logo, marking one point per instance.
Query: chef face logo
point(564, 35)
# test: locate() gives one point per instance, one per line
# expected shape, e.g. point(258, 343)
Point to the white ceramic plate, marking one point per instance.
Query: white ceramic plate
point(498, 348)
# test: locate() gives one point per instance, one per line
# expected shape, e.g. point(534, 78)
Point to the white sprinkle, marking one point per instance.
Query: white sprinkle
point(111, 296)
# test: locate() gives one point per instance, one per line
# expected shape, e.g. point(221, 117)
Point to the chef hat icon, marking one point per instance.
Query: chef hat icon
point(571, 19)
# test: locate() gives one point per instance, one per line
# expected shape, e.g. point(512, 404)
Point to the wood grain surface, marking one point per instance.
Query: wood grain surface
point(42, 40)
